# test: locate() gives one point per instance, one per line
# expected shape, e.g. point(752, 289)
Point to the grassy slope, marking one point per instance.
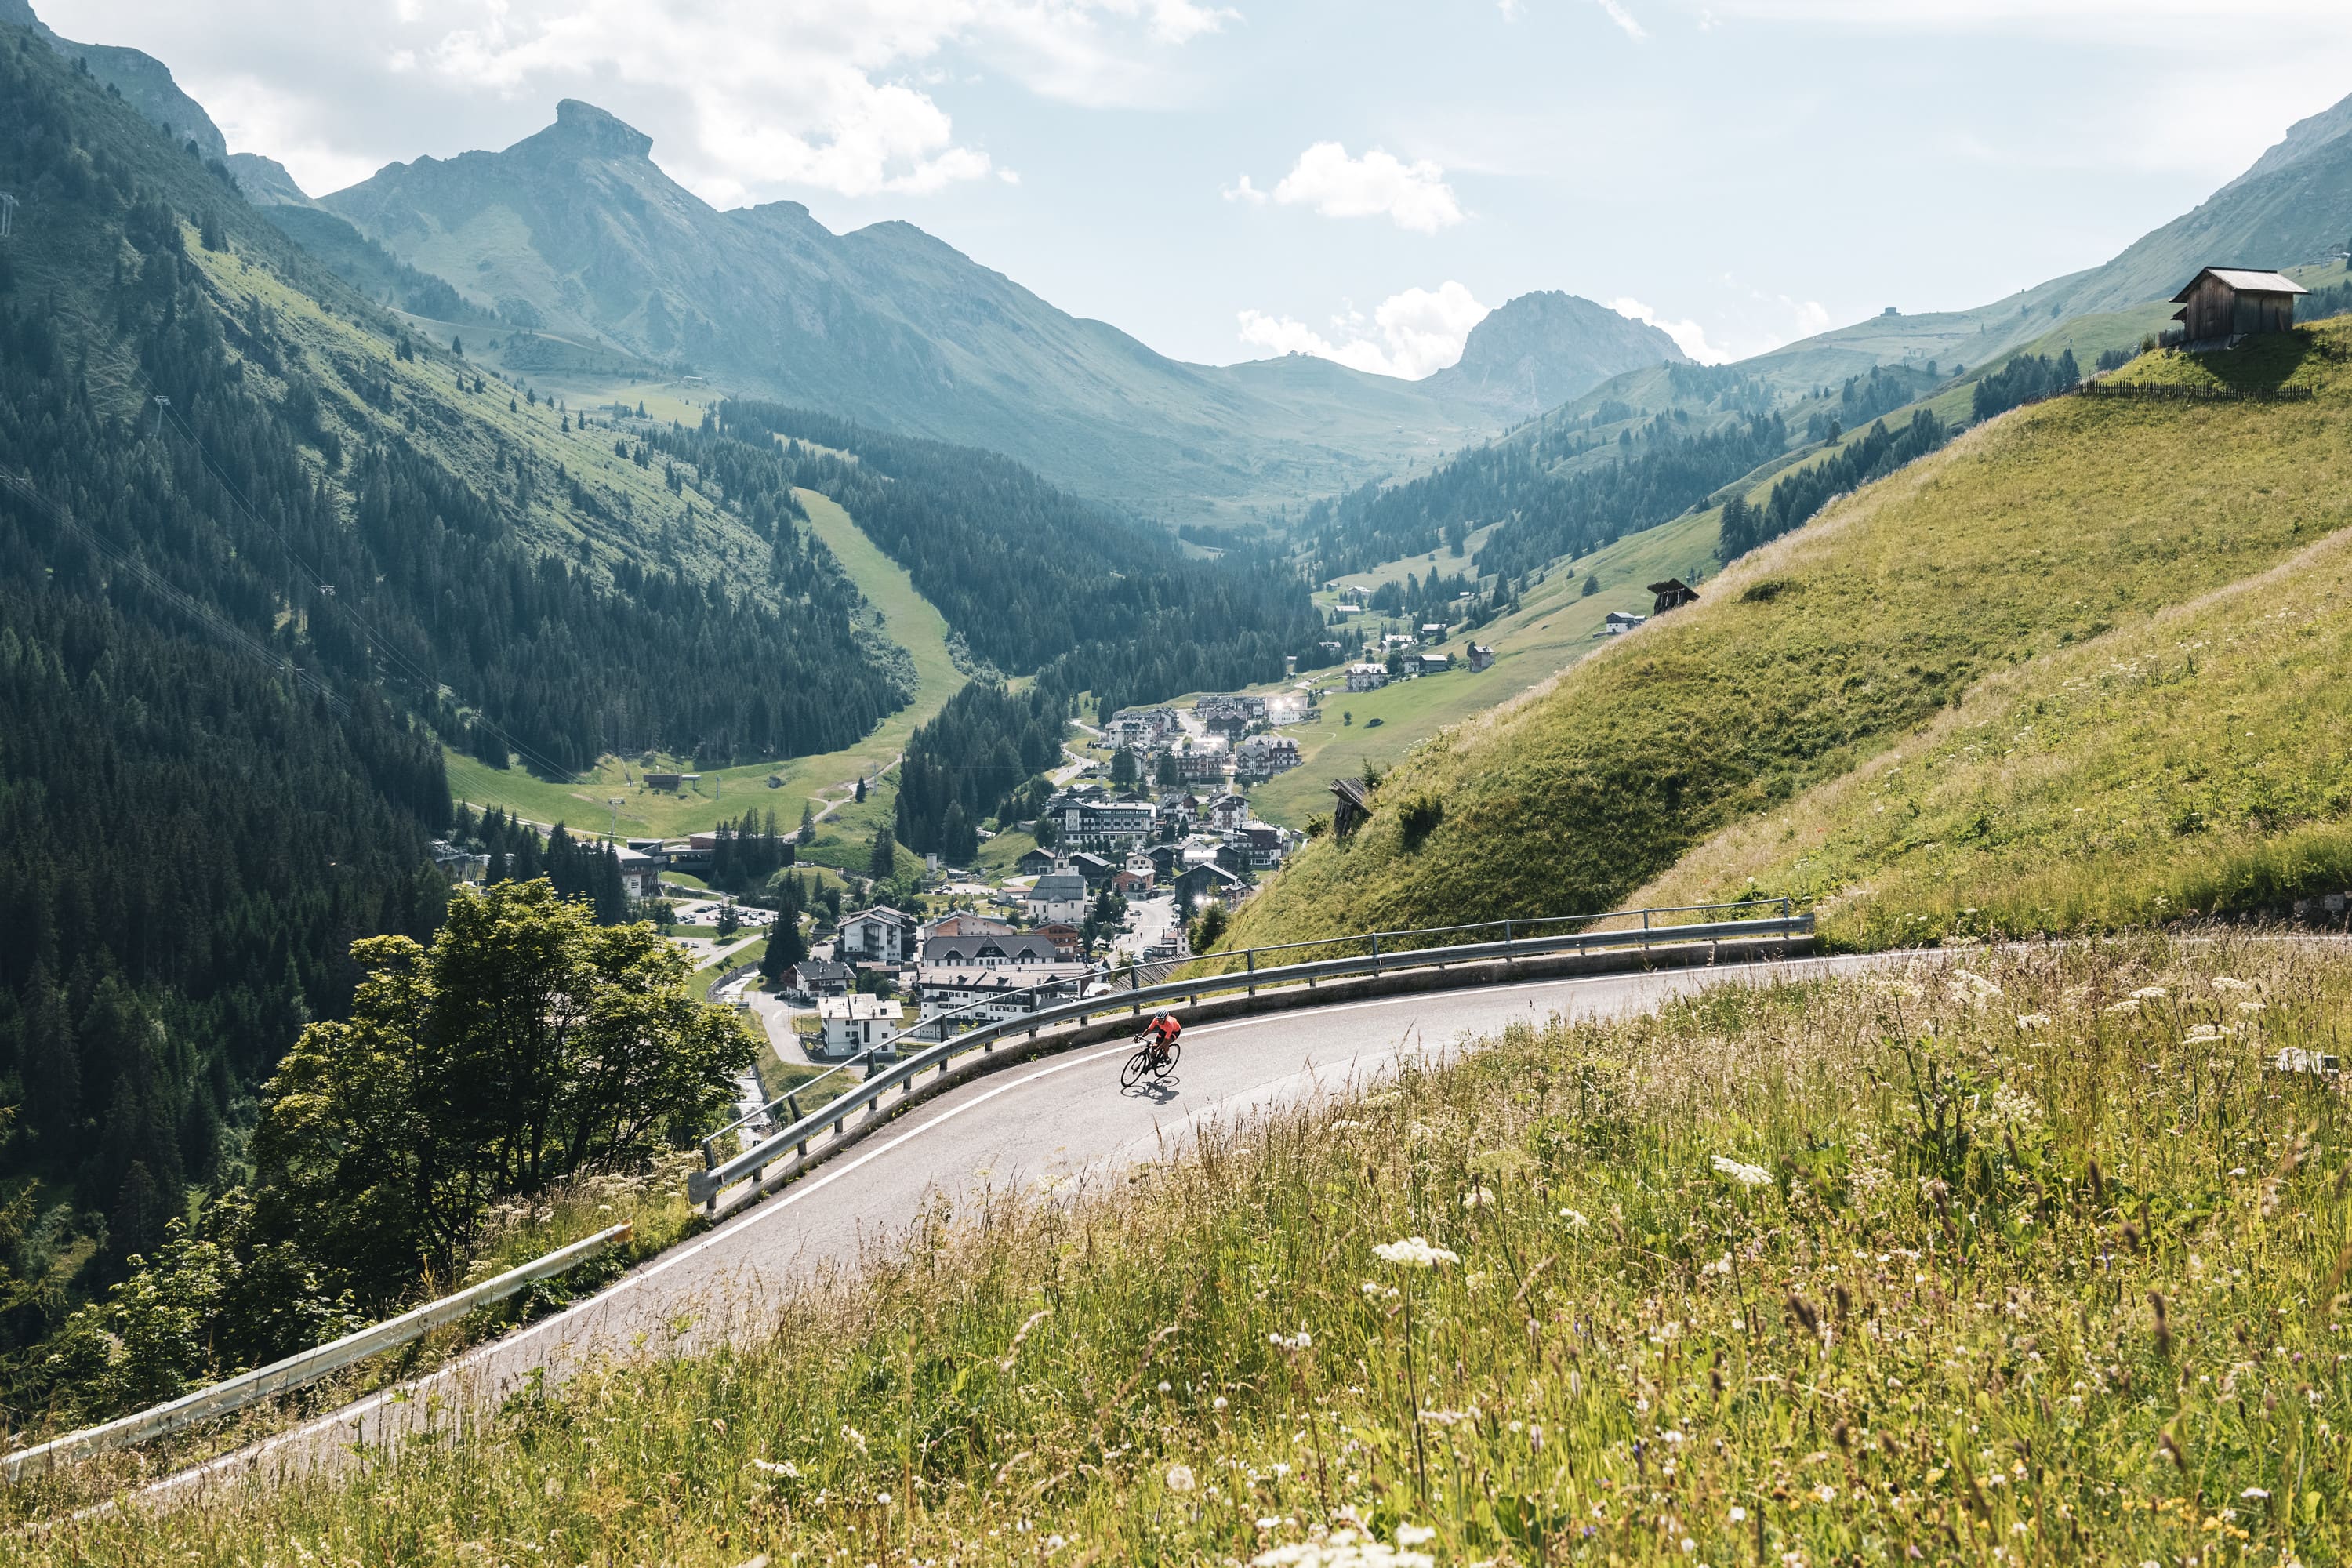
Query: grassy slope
point(908, 620)
point(2190, 762)
point(2048, 527)
point(1891, 1349)
point(1553, 629)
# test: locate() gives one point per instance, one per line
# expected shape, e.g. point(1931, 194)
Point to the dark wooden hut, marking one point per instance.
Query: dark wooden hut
point(1348, 806)
point(1674, 591)
point(2223, 304)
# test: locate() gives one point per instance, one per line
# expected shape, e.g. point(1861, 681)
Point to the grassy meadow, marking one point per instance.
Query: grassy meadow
point(2049, 526)
point(2007, 1257)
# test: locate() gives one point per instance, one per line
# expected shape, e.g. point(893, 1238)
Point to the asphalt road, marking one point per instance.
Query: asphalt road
point(1059, 1117)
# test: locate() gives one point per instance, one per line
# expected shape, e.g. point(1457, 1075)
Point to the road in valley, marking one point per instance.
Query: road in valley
point(1040, 1122)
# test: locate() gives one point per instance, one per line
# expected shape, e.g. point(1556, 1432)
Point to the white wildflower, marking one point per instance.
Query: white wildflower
point(2231, 983)
point(1414, 1252)
point(1738, 1515)
point(2150, 993)
point(1745, 1175)
point(1575, 1220)
point(2253, 1494)
point(1967, 985)
point(786, 1468)
point(2031, 1021)
point(1477, 1197)
point(1181, 1478)
point(1414, 1535)
point(2015, 1106)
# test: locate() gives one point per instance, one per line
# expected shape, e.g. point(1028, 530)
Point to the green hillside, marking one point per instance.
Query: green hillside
point(2048, 528)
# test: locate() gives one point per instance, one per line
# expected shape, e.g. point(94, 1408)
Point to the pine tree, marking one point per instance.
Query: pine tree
point(808, 822)
point(882, 860)
point(861, 791)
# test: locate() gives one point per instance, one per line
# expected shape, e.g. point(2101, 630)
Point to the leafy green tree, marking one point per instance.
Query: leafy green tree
point(786, 946)
point(1209, 927)
point(525, 1044)
point(1125, 772)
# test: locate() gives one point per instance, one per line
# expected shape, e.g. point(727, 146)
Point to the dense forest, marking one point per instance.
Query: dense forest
point(1795, 499)
point(250, 580)
point(1544, 513)
point(1031, 577)
point(2027, 378)
point(962, 767)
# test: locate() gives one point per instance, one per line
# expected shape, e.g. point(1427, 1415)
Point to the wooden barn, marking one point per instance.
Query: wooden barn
point(2223, 304)
point(1672, 593)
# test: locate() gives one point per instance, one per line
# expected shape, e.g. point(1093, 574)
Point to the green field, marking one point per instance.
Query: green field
point(2052, 526)
point(908, 620)
point(1712, 1286)
point(1554, 628)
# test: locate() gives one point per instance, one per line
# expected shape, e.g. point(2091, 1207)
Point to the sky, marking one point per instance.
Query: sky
point(1362, 179)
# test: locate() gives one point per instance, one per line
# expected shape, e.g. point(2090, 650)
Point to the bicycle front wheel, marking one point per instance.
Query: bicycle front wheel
point(1168, 1056)
point(1137, 1066)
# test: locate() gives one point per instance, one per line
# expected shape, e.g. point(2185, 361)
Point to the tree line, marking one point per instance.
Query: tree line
point(1795, 499)
point(1032, 577)
point(960, 769)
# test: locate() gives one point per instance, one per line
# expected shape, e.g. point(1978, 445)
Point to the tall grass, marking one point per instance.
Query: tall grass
point(2013, 1256)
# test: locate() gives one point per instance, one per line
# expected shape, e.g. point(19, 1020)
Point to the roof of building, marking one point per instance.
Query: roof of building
point(1007, 977)
point(883, 913)
point(2245, 280)
point(858, 1008)
point(1027, 947)
point(1058, 887)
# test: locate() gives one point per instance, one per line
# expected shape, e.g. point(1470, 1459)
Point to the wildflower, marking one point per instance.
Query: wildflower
point(882, 1497)
point(2120, 1007)
point(1477, 1197)
point(2231, 983)
point(1414, 1534)
point(1218, 1403)
point(1165, 1386)
point(1720, 1266)
point(787, 1469)
point(2030, 1021)
point(1181, 1478)
point(1297, 1341)
point(1745, 1175)
point(1575, 1220)
point(1738, 1515)
point(2150, 993)
point(1414, 1252)
point(2253, 1494)
point(1826, 1493)
point(1967, 985)
point(2253, 1006)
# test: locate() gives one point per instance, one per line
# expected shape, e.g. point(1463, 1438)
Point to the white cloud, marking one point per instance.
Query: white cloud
point(745, 98)
point(1377, 185)
point(1624, 19)
point(1244, 192)
point(1412, 335)
point(1689, 336)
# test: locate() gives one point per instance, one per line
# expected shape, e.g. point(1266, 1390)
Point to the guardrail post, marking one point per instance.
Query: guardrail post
point(1376, 952)
point(1250, 957)
point(1646, 931)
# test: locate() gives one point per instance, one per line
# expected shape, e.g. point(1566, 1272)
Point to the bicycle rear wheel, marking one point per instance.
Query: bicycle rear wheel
point(1137, 1066)
point(1168, 1055)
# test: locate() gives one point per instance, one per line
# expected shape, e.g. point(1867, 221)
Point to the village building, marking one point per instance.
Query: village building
point(1261, 757)
point(1130, 884)
point(1067, 938)
point(1090, 819)
point(1366, 676)
point(880, 935)
point(2225, 304)
point(1227, 813)
point(1265, 846)
point(964, 922)
point(1197, 887)
point(989, 950)
point(1059, 895)
point(1142, 729)
point(640, 872)
point(976, 996)
point(1203, 764)
point(818, 978)
point(1349, 807)
point(1481, 657)
point(1617, 623)
point(855, 1023)
point(1249, 709)
point(1432, 631)
point(459, 864)
point(1096, 870)
point(1034, 863)
point(1429, 663)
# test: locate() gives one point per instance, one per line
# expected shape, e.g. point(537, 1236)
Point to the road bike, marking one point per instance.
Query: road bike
point(1152, 1058)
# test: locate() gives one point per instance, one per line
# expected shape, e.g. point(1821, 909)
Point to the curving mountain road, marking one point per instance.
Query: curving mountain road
point(1060, 1116)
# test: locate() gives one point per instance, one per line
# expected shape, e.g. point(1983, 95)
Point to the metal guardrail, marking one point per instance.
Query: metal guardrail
point(304, 1366)
point(1404, 949)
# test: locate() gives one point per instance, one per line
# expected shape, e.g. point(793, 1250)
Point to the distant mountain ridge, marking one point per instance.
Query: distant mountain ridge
point(145, 81)
point(1540, 349)
point(577, 229)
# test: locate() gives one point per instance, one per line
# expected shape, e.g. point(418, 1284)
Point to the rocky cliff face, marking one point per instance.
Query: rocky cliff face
point(1538, 351)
